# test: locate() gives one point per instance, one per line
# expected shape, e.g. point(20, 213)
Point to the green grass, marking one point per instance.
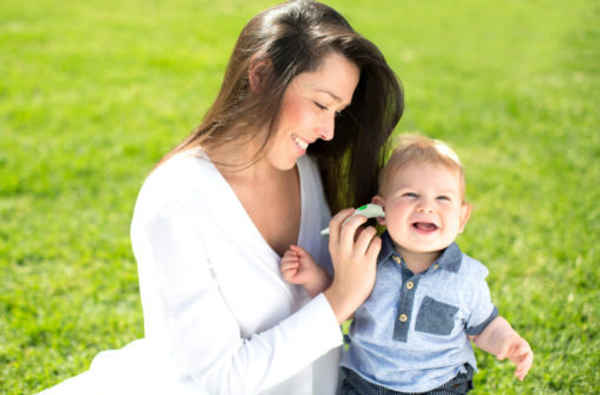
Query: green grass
point(93, 93)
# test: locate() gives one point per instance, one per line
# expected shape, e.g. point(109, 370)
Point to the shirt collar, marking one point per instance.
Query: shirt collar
point(387, 248)
point(450, 259)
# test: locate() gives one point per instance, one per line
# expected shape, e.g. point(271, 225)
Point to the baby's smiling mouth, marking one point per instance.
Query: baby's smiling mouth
point(425, 226)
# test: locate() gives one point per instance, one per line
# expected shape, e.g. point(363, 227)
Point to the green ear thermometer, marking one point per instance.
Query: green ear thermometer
point(369, 210)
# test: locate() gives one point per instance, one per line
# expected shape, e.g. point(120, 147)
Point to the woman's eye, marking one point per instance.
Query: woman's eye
point(320, 106)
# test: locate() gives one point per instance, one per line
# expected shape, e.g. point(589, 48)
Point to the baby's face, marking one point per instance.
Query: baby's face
point(424, 208)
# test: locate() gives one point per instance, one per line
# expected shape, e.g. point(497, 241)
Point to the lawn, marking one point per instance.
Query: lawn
point(93, 93)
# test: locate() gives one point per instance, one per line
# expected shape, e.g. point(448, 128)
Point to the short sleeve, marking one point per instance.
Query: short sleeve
point(482, 310)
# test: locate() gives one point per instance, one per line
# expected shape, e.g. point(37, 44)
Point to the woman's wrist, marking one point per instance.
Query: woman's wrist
point(338, 303)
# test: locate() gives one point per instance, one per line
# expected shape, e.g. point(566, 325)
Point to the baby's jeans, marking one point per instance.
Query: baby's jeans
point(353, 384)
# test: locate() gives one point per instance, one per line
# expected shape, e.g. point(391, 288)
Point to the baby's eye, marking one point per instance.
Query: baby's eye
point(410, 195)
point(444, 198)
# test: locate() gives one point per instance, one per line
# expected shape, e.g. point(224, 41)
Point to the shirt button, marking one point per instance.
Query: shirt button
point(397, 259)
point(436, 266)
point(403, 318)
point(410, 285)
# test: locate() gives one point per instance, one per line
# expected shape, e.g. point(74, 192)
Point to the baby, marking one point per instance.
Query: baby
point(413, 334)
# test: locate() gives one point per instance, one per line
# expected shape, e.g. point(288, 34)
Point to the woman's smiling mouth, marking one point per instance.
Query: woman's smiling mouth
point(299, 142)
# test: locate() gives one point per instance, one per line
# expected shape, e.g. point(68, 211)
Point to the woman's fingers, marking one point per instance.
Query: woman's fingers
point(374, 248)
point(348, 241)
point(354, 253)
point(349, 229)
point(335, 224)
point(363, 242)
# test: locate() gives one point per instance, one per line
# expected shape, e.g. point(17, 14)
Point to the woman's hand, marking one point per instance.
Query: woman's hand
point(354, 256)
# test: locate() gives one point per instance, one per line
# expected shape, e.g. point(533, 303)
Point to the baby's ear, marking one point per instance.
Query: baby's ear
point(378, 200)
point(465, 214)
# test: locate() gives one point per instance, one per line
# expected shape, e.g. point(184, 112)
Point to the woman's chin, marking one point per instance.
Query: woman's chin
point(285, 164)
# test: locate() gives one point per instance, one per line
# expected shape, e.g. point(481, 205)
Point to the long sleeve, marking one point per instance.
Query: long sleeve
point(187, 314)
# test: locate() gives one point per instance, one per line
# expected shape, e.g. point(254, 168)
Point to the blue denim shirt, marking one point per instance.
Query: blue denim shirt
point(410, 335)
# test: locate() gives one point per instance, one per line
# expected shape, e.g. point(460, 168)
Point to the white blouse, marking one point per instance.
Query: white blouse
point(218, 317)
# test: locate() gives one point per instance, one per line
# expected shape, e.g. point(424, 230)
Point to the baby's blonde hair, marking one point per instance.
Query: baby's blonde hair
point(412, 149)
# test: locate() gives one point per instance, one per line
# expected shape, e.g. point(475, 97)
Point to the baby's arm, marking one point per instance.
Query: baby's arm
point(298, 267)
point(501, 340)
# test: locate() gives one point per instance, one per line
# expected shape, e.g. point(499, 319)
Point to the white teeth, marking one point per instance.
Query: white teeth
point(301, 143)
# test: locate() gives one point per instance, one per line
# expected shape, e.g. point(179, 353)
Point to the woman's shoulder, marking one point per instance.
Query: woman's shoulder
point(181, 165)
point(183, 177)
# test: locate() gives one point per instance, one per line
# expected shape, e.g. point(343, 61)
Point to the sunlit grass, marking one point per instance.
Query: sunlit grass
point(93, 93)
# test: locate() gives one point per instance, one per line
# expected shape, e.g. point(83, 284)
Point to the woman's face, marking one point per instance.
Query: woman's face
point(309, 107)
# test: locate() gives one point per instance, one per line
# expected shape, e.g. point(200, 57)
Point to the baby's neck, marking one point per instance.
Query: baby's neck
point(418, 262)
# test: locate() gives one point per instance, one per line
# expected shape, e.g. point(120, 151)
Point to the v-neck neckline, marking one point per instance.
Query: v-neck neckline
point(248, 222)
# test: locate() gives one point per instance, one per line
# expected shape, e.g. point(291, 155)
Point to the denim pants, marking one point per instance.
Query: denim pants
point(353, 384)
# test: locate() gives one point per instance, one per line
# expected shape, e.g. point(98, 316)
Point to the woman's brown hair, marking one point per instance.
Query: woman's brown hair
point(290, 39)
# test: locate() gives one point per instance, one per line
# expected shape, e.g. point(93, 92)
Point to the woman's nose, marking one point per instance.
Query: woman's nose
point(327, 128)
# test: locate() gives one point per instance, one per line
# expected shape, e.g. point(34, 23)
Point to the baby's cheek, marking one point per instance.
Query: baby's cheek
point(394, 230)
point(454, 227)
point(392, 226)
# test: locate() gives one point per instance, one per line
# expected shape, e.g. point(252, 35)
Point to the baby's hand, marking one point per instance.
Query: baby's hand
point(519, 352)
point(298, 267)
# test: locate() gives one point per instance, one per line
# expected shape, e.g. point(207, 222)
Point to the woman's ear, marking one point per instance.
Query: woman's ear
point(257, 74)
point(378, 200)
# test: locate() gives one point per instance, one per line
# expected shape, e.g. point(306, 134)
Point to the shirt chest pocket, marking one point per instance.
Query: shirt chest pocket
point(435, 317)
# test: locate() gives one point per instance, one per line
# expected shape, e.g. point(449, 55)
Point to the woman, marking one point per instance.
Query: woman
point(298, 127)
